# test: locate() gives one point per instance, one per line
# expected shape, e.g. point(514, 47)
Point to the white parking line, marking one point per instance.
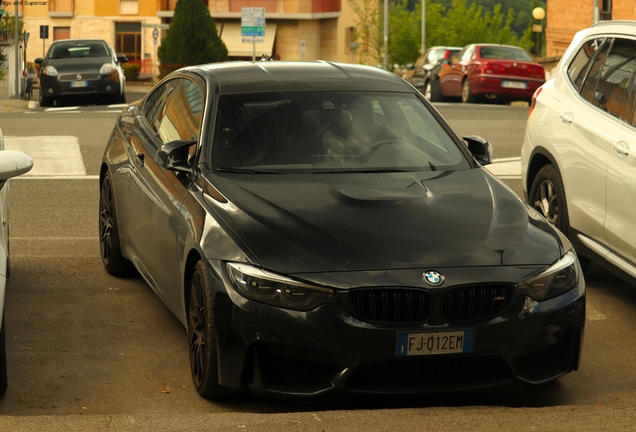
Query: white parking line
point(62, 109)
point(53, 156)
point(506, 168)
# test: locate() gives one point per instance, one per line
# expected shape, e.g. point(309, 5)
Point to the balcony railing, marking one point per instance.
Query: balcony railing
point(169, 5)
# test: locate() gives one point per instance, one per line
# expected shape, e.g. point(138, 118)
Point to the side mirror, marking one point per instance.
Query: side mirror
point(174, 155)
point(480, 149)
point(13, 164)
point(39, 60)
point(121, 58)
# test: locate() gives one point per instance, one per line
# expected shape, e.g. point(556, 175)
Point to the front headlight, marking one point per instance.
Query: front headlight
point(107, 68)
point(276, 290)
point(557, 279)
point(50, 71)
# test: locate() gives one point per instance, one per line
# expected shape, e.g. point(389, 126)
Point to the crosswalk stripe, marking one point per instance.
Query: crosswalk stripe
point(53, 156)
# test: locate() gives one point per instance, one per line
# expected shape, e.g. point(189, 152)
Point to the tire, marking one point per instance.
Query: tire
point(112, 258)
point(467, 95)
point(3, 359)
point(436, 91)
point(45, 101)
point(428, 90)
point(547, 196)
point(122, 98)
point(202, 340)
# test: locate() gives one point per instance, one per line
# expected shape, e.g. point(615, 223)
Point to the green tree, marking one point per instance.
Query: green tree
point(8, 23)
point(192, 38)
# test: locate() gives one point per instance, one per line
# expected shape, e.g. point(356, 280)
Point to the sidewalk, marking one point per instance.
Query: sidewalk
point(16, 105)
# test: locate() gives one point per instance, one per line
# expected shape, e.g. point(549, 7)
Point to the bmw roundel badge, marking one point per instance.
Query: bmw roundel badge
point(433, 278)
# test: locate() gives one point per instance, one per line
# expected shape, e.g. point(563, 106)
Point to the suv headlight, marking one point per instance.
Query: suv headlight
point(276, 290)
point(50, 71)
point(557, 279)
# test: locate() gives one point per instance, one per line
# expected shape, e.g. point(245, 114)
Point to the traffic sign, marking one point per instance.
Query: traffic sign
point(155, 34)
point(253, 25)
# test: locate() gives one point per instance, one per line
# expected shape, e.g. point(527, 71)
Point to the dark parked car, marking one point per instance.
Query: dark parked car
point(424, 71)
point(488, 72)
point(319, 228)
point(86, 68)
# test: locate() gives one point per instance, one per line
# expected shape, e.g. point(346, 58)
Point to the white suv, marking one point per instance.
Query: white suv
point(578, 160)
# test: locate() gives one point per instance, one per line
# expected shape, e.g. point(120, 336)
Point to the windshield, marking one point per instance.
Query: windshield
point(506, 53)
point(76, 49)
point(330, 132)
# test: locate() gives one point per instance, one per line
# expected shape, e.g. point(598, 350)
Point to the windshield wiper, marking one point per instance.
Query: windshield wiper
point(363, 170)
point(248, 170)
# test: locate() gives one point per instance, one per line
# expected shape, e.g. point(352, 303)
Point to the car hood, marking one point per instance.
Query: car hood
point(352, 222)
point(82, 64)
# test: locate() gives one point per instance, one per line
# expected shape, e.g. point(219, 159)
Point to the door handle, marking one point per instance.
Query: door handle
point(621, 148)
point(139, 159)
point(567, 117)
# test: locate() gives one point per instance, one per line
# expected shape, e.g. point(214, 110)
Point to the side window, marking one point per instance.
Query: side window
point(591, 78)
point(467, 54)
point(611, 92)
point(155, 105)
point(582, 61)
point(182, 116)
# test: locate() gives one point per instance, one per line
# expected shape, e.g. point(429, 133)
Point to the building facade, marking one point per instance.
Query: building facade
point(296, 30)
point(566, 17)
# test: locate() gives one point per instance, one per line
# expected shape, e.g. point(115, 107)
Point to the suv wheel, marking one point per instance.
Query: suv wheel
point(547, 196)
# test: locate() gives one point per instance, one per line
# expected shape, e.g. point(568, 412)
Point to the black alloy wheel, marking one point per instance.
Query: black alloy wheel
point(202, 336)
point(112, 258)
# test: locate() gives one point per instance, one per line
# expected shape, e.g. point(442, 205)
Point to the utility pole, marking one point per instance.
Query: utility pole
point(386, 34)
point(423, 49)
point(18, 72)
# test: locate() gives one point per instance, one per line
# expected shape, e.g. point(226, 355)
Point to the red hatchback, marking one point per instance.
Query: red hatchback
point(500, 73)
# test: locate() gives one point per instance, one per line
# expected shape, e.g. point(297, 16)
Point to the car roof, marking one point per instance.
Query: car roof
point(80, 40)
point(265, 76)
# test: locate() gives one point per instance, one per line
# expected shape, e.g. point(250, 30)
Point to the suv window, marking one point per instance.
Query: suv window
point(590, 81)
point(611, 92)
point(577, 70)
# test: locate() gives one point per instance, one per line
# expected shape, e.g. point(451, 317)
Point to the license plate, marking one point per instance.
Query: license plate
point(410, 344)
point(79, 83)
point(514, 84)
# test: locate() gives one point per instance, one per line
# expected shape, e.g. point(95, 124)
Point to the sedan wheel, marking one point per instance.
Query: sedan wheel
point(428, 90)
point(467, 96)
point(112, 258)
point(202, 336)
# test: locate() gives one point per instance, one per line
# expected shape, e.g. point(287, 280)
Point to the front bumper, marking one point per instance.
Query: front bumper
point(88, 85)
point(287, 353)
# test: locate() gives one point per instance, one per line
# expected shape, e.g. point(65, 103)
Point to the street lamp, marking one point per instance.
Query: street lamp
point(538, 14)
